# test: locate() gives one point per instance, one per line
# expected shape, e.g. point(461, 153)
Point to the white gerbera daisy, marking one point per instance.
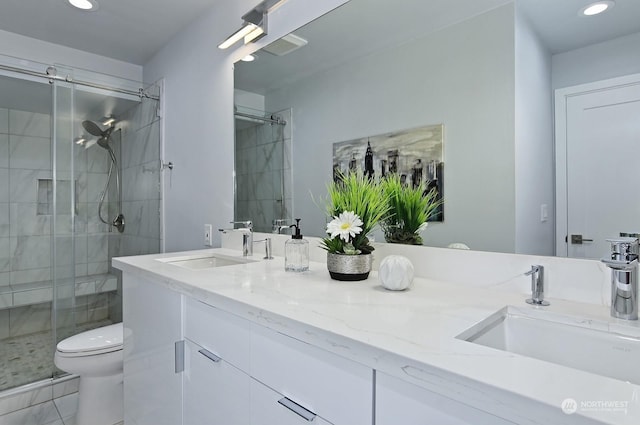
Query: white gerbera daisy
point(346, 225)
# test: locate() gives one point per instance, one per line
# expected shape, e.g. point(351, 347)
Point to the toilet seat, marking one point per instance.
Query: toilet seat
point(102, 340)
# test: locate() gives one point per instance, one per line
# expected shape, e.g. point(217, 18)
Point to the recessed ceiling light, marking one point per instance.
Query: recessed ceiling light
point(86, 5)
point(248, 58)
point(597, 8)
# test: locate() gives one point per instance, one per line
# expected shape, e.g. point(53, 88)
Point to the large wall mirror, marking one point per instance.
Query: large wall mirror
point(486, 70)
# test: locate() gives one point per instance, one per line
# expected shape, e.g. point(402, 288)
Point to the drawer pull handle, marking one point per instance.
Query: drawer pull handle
point(208, 354)
point(297, 409)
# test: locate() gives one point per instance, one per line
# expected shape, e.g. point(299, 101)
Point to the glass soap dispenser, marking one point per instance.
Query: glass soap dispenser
point(296, 251)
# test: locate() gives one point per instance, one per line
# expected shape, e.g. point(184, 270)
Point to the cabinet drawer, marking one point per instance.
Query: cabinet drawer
point(222, 333)
point(270, 408)
point(337, 389)
point(215, 393)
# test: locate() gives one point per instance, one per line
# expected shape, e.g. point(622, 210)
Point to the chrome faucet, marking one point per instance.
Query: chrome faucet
point(267, 248)
point(624, 277)
point(537, 285)
point(247, 236)
point(279, 225)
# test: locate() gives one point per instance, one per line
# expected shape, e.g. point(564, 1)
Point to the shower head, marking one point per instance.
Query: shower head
point(95, 130)
point(92, 128)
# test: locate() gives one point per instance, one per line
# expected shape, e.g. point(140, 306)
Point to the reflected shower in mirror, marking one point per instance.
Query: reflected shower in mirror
point(262, 166)
point(485, 69)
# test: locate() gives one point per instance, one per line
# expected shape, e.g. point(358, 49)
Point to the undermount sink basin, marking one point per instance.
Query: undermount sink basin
point(604, 353)
point(204, 262)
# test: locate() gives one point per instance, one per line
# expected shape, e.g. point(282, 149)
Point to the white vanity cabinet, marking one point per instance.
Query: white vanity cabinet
point(237, 372)
point(215, 392)
point(400, 402)
point(152, 318)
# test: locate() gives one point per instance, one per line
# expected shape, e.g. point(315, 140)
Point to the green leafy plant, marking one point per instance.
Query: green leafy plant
point(409, 210)
point(353, 195)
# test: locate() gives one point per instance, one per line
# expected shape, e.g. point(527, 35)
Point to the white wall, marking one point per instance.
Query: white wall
point(198, 120)
point(463, 77)
point(614, 58)
point(533, 142)
point(19, 46)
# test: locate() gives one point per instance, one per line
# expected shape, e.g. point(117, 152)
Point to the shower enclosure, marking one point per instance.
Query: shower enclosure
point(263, 177)
point(66, 190)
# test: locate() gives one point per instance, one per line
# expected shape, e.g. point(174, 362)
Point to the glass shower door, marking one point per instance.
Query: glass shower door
point(64, 210)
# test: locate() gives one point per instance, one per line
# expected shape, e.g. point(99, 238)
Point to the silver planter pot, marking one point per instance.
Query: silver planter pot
point(349, 267)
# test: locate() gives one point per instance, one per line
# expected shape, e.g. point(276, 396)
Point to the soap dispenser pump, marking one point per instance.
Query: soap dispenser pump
point(296, 251)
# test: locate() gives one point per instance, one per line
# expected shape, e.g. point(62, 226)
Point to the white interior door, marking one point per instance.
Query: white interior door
point(597, 165)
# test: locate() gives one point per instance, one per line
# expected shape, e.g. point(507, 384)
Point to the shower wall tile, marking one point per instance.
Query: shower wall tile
point(95, 185)
point(64, 250)
point(98, 268)
point(271, 156)
point(81, 270)
point(4, 120)
point(141, 182)
point(63, 224)
point(4, 322)
point(23, 184)
point(5, 219)
point(152, 217)
point(28, 152)
point(35, 296)
point(39, 414)
point(29, 123)
point(5, 255)
point(97, 249)
point(264, 186)
point(6, 300)
point(81, 249)
point(33, 275)
point(287, 154)
point(143, 147)
point(82, 187)
point(97, 160)
point(26, 222)
point(30, 252)
point(143, 114)
point(134, 211)
point(80, 222)
point(4, 151)
point(4, 185)
point(5, 279)
point(94, 225)
point(246, 160)
point(246, 138)
point(30, 319)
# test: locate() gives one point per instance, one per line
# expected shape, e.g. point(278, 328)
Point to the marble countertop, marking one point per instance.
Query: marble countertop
point(411, 334)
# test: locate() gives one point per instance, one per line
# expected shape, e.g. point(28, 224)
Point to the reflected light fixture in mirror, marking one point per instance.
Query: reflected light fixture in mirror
point(597, 8)
point(86, 5)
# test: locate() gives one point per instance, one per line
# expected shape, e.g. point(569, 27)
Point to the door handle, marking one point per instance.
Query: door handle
point(578, 240)
point(208, 354)
point(297, 409)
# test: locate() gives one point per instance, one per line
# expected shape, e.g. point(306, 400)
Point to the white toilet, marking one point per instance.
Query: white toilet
point(96, 356)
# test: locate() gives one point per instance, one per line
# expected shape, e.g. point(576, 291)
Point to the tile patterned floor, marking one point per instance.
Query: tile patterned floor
point(29, 358)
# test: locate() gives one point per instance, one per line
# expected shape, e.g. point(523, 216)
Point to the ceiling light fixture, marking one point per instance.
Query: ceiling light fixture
point(597, 8)
point(254, 26)
point(80, 141)
point(86, 5)
point(248, 58)
point(108, 121)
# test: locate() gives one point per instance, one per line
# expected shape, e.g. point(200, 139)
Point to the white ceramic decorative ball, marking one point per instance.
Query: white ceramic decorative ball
point(395, 273)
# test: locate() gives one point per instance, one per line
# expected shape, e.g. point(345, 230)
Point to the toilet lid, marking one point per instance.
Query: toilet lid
point(99, 339)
